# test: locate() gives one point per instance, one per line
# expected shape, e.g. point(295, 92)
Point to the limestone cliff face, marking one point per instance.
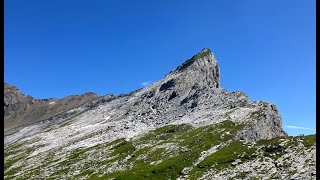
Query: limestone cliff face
point(201, 70)
point(266, 124)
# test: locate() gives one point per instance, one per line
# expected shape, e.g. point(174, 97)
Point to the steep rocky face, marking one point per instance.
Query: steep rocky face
point(266, 123)
point(20, 109)
point(201, 70)
point(184, 117)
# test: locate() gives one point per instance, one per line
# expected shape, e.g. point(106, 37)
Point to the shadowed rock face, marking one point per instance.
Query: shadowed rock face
point(20, 109)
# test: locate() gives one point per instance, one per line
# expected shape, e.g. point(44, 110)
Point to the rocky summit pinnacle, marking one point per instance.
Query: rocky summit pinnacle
point(201, 71)
point(184, 126)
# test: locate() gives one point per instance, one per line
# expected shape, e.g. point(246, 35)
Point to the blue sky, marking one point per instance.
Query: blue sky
point(264, 48)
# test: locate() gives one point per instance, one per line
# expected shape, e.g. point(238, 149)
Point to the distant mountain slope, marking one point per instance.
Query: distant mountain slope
point(20, 110)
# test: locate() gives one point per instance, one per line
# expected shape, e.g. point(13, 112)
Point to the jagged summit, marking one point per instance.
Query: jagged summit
point(205, 53)
point(205, 50)
point(200, 70)
point(9, 87)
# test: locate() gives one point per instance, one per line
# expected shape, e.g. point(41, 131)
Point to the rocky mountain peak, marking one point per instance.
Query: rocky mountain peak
point(201, 71)
point(12, 95)
point(205, 54)
point(200, 130)
point(205, 50)
point(9, 87)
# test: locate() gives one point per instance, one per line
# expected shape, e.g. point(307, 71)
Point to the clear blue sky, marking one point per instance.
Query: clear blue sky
point(265, 48)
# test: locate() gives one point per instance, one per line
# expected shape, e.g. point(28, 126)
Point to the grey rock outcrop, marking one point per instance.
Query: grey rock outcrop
point(201, 70)
point(267, 124)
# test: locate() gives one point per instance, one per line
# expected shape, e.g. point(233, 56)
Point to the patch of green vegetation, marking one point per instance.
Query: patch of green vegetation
point(118, 147)
point(19, 153)
point(272, 146)
point(117, 141)
point(168, 169)
point(77, 153)
point(73, 157)
point(49, 160)
point(195, 140)
point(12, 171)
point(309, 140)
point(205, 137)
point(9, 163)
point(142, 151)
point(274, 141)
point(228, 154)
point(17, 147)
point(154, 155)
point(61, 172)
point(121, 151)
point(32, 172)
point(121, 148)
point(87, 172)
point(12, 148)
point(158, 154)
point(165, 133)
point(124, 147)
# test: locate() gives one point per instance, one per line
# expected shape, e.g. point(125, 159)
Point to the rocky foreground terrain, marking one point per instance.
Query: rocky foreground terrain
point(184, 126)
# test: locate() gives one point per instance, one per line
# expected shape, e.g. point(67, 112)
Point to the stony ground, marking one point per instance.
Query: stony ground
point(170, 152)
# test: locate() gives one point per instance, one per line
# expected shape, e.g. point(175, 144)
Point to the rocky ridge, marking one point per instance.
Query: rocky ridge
point(185, 117)
point(21, 110)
